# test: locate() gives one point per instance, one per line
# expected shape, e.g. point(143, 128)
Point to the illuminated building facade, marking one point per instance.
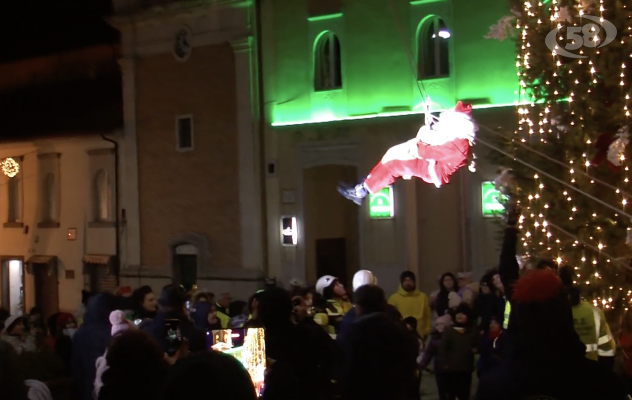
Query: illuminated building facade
point(343, 83)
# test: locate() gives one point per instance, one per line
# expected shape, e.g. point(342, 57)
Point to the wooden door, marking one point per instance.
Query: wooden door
point(185, 270)
point(46, 289)
point(331, 258)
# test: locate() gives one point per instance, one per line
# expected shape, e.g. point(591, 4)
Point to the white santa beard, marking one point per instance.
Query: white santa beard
point(432, 137)
point(455, 125)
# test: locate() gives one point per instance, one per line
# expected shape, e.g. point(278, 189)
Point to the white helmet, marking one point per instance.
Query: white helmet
point(363, 277)
point(324, 282)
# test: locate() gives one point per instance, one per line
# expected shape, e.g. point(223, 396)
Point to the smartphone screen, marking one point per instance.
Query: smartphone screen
point(173, 336)
point(246, 345)
point(188, 305)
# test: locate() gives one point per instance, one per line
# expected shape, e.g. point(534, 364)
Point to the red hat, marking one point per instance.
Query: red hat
point(465, 108)
point(63, 319)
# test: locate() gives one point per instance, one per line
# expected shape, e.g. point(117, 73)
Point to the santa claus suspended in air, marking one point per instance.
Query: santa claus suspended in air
point(439, 150)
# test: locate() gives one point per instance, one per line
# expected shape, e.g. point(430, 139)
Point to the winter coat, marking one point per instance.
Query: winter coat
point(488, 307)
point(379, 359)
point(458, 348)
point(432, 353)
point(350, 316)
point(413, 304)
point(89, 343)
point(489, 358)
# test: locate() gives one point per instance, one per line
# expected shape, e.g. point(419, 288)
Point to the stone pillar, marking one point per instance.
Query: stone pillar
point(249, 164)
point(412, 225)
point(128, 170)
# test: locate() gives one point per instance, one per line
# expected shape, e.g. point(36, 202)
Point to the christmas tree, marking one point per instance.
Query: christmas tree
point(569, 156)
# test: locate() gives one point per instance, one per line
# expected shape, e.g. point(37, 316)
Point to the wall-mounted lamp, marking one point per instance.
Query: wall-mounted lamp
point(289, 231)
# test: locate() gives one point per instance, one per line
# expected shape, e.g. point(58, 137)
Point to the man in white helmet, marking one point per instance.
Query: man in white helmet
point(362, 278)
point(335, 295)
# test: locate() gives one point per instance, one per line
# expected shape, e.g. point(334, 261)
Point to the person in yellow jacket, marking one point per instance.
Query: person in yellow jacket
point(591, 326)
point(410, 302)
point(335, 294)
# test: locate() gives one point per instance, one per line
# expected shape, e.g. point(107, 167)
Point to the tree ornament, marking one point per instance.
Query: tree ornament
point(564, 15)
point(603, 146)
point(616, 150)
point(505, 182)
point(557, 123)
point(503, 29)
point(10, 167)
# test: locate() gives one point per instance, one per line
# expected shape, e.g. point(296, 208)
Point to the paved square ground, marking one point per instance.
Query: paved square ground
point(429, 387)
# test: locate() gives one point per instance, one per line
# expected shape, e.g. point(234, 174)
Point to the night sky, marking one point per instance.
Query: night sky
point(39, 27)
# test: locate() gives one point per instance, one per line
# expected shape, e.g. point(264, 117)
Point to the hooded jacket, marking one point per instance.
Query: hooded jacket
point(413, 304)
point(90, 343)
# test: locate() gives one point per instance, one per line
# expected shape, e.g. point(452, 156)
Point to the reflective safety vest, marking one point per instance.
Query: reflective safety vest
point(507, 314)
point(606, 345)
point(593, 331)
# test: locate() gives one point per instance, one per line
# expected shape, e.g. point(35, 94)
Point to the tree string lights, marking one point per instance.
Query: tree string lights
point(562, 220)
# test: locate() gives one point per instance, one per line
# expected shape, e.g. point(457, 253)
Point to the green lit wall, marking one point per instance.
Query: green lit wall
point(376, 72)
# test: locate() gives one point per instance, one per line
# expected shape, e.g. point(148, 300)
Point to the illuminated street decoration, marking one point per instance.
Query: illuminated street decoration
point(10, 167)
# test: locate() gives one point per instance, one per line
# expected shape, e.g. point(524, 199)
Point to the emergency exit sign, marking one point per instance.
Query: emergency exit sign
point(381, 204)
point(491, 200)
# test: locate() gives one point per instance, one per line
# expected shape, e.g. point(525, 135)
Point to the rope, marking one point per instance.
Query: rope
point(603, 203)
point(422, 91)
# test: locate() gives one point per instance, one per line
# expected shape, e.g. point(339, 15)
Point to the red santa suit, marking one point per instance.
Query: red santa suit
point(434, 155)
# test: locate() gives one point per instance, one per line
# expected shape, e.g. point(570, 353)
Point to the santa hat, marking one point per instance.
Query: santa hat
point(541, 303)
point(119, 322)
point(465, 108)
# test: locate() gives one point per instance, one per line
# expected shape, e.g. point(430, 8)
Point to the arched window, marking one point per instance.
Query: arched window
point(13, 200)
point(327, 66)
point(433, 49)
point(50, 199)
point(102, 196)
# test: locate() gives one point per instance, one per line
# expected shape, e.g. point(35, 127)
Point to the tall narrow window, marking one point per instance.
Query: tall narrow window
point(102, 196)
point(184, 133)
point(433, 52)
point(13, 200)
point(49, 203)
point(327, 65)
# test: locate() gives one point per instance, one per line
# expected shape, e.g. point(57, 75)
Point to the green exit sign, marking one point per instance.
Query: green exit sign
point(381, 204)
point(491, 199)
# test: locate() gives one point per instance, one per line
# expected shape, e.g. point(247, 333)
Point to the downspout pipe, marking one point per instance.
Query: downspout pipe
point(116, 204)
point(262, 141)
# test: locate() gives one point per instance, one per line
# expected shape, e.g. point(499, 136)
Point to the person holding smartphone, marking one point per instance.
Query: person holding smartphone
point(172, 306)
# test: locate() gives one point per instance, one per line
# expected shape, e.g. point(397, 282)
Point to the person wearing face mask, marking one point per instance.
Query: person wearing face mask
point(15, 334)
point(337, 299)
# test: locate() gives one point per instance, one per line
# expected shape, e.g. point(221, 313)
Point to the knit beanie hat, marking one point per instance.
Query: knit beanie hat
point(119, 322)
point(407, 274)
point(445, 319)
point(540, 303)
point(454, 300)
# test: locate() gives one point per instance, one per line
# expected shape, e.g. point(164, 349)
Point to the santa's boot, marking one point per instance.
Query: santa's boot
point(354, 193)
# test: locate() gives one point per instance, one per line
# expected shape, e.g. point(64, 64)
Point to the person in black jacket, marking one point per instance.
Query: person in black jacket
point(379, 353)
point(546, 359)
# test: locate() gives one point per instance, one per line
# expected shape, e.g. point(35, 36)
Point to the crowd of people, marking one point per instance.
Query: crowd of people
point(524, 331)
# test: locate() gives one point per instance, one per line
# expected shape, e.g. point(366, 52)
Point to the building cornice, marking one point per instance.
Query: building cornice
point(157, 14)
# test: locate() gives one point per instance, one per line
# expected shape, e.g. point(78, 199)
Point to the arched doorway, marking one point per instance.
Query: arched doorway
point(185, 263)
point(331, 224)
